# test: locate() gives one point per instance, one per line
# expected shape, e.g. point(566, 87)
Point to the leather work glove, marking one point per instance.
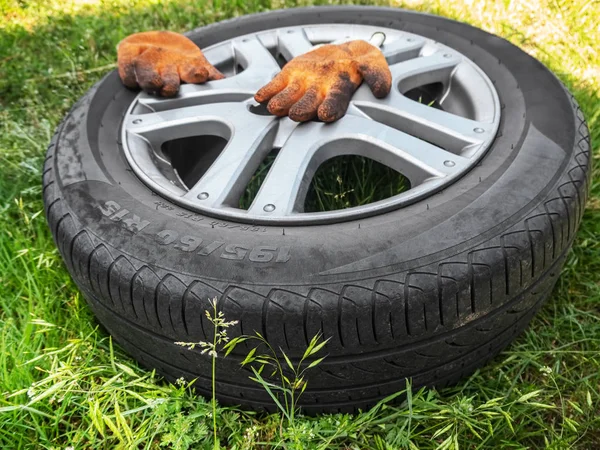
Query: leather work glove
point(158, 61)
point(322, 81)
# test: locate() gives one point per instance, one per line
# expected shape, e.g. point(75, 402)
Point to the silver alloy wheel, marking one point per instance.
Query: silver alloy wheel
point(431, 147)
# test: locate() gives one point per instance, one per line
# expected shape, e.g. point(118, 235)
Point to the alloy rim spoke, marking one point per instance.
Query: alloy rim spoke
point(160, 127)
point(293, 42)
point(226, 179)
point(198, 94)
point(444, 129)
point(414, 72)
point(402, 49)
point(253, 56)
point(285, 181)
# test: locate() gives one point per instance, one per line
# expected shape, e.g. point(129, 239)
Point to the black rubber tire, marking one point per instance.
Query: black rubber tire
point(430, 292)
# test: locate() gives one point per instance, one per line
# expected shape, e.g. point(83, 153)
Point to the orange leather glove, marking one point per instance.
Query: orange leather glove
point(322, 81)
point(158, 61)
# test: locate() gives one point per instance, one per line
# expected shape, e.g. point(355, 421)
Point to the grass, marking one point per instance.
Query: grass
point(64, 385)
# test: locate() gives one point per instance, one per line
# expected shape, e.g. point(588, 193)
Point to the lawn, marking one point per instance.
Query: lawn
point(64, 385)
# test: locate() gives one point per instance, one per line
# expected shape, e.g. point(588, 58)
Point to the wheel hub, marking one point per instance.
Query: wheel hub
point(432, 147)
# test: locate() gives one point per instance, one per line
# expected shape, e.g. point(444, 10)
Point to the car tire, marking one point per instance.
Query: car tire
point(427, 292)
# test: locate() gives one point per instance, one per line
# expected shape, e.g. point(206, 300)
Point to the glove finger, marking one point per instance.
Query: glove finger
point(282, 102)
point(274, 87)
point(214, 74)
point(193, 71)
point(306, 108)
point(377, 75)
point(126, 53)
point(337, 100)
point(146, 68)
point(170, 77)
